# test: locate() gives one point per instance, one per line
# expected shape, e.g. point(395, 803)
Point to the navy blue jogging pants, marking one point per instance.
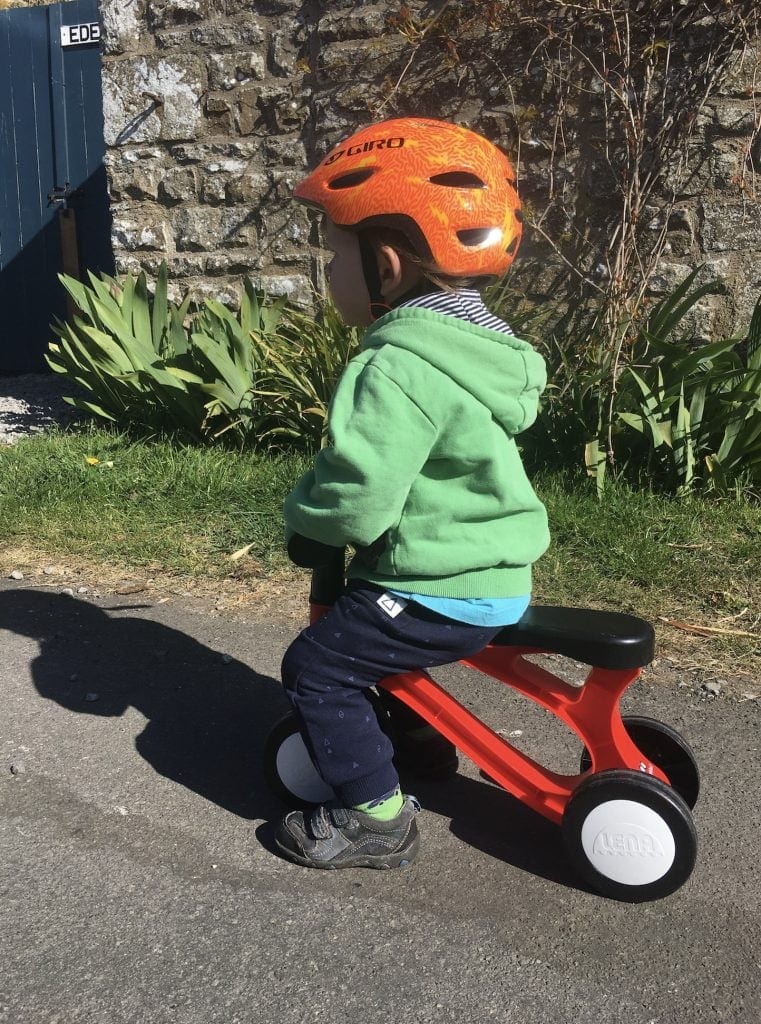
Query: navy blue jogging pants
point(367, 635)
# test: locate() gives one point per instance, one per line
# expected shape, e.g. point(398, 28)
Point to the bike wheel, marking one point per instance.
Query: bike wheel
point(630, 836)
point(667, 749)
point(288, 767)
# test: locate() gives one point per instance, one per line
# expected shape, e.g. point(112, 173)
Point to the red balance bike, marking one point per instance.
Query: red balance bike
point(625, 817)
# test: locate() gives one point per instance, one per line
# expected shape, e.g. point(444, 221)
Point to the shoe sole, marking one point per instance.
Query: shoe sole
point(381, 862)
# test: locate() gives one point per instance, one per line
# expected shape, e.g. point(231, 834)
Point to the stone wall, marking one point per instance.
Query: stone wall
point(214, 108)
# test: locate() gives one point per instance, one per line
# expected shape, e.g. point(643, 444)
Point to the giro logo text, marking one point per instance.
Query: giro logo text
point(395, 142)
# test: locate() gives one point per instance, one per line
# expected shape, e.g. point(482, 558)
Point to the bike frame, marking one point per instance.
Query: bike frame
point(590, 710)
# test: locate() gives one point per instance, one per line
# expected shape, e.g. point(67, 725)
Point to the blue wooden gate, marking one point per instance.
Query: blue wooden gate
point(53, 194)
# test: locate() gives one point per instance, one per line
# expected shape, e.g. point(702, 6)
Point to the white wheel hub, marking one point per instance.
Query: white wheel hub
point(628, 842)
point(297, 773)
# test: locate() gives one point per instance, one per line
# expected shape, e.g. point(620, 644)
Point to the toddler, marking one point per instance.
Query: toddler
point(422, 476)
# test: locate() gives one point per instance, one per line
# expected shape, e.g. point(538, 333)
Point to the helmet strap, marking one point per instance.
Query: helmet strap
point(378, 305)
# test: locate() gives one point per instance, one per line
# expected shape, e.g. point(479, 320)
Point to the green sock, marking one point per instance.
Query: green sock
point(385, 807)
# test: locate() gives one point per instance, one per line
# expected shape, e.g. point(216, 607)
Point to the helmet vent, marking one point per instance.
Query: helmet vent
point(352, 178)
point(458, 179)
point(473, 237)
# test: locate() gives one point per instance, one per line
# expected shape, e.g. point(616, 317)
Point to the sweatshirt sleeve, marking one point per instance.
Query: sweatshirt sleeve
point(357, 488)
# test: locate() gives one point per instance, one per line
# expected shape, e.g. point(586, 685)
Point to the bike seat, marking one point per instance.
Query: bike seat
point(602, 639)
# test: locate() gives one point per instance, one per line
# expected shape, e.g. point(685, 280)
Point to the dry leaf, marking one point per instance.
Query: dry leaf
point(237, 555)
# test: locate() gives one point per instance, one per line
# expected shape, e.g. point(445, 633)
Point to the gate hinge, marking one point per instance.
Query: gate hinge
point(63, 194)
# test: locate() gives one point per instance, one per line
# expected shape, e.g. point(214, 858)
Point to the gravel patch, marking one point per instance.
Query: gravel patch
point(32, 403)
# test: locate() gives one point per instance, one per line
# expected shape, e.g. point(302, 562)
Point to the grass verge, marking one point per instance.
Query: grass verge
point(164, 509)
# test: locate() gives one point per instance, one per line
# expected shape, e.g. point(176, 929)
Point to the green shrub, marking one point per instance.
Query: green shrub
point(262, 376)
point(697, 411)
point(123, 351)
point(300, 366)
point(152, 365)
point(681, 417)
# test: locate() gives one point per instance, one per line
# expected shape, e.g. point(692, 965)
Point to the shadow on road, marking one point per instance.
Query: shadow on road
point(487, 818)
point(207, 720)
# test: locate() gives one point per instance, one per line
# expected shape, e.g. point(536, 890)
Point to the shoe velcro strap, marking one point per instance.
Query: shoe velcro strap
point(324, 819)
point(319, 823)
point(340, 816)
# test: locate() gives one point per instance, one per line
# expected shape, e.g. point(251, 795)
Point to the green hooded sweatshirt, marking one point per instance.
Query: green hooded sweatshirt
point(423, 476)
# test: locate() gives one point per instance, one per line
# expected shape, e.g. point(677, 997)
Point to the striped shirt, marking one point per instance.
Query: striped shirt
point(467, 304)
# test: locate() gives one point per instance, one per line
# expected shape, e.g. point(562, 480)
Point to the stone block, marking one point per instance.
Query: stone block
point(727, 167)
point(226, 292)
point(179, 185)
point(285, 232)
point(202, 228)
point(215, 34)
point(252, 188)
point(297, 287)
point(335, 123)
point(737, 118)
point(683, 218)
point(144, 231)
point(355, 22)
point(212, 152)
point(720, 269)
point(247, 115)
point(234, 8)
point(283, 184)
point(287, 151)
point(741, 77)
point(700, 323)
point(239, 261)
point(277, 110)
point(123, 23)
point(668, 277)
point(230, 70)
point(218, 35)
point(178, 266)
point(733, 226)
point(746, 294)
point(139, 180)
point(288, 54)
point(151, 98)
point(162, 13)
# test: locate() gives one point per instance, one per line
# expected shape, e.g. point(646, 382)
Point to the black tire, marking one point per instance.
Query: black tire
point(667, 749)
point(630, 836)
point(288, 768)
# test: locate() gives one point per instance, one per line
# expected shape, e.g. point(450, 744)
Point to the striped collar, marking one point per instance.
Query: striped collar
point(463, 303)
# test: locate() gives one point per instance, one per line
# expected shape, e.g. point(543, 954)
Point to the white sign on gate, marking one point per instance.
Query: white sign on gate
point(78, 35)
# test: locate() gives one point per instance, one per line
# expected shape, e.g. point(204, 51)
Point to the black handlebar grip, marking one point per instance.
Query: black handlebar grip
point(328, 579)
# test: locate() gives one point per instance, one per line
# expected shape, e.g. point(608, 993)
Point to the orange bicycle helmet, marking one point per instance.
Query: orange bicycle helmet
point(450, 190)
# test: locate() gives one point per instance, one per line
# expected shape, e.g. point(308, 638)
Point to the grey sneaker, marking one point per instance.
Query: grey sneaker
point(339, 837)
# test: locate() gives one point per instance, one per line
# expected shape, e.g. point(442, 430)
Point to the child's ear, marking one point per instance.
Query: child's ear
point(390, 268)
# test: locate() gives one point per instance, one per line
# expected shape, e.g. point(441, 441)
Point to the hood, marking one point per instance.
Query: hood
point(502, 372)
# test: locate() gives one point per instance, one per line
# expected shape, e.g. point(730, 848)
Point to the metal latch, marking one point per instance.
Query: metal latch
point(64, 194)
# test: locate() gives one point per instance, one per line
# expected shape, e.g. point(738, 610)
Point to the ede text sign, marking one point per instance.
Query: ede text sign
point(78, 35)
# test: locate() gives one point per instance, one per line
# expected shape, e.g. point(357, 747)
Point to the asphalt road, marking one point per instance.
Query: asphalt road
point(137, 882)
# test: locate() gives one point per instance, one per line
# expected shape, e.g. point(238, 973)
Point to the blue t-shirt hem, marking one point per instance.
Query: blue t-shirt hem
point(476, 611)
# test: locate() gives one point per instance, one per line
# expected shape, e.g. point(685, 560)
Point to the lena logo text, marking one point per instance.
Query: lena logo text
point(626, 844)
